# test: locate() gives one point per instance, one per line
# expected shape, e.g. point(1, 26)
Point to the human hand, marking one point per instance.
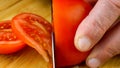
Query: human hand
point(100, 30)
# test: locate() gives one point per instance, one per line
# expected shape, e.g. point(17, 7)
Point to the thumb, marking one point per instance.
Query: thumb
point(94, 26)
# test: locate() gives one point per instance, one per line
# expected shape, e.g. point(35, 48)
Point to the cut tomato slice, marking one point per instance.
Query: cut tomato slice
point(35, 31)
point(9, 43)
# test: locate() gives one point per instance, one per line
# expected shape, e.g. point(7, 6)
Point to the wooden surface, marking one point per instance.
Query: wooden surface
point(28, 57)
point(112, 63)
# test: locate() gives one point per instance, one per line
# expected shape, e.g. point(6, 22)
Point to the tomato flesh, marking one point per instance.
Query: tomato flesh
point(67, 15)
point(9, 43)
point(35, 31)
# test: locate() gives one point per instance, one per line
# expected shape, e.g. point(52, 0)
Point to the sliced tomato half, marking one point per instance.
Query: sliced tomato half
point(9, 43)
point(35, 31)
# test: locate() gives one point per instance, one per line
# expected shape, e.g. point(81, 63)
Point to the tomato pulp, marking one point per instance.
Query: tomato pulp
point(9, 43)
point(34, 31)
point(67, 15)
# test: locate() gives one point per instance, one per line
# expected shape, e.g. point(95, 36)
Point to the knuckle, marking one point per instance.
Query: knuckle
point(112, 51)
point(100, 27)
point(116, 3)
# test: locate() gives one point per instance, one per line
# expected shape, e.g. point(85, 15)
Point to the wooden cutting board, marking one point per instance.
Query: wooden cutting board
point(28, 57)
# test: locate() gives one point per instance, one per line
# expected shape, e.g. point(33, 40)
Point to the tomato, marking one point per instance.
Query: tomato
point(34, 31)
point(67, 15)
point(9, 43)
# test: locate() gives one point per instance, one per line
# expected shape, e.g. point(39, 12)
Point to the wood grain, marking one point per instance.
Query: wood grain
point(27, 57)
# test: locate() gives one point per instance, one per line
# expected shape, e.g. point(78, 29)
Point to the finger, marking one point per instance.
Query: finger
point(94, 26)
point(108, 47)
point(116, 22)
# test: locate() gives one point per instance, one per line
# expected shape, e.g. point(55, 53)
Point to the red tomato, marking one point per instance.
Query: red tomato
point(67, 15)
point(9, 43)
point(35, 31)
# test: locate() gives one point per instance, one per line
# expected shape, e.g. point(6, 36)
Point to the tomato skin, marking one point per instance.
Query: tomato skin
point(34, 31)
point(11, 47)
point(9, 43)
point(67, 15)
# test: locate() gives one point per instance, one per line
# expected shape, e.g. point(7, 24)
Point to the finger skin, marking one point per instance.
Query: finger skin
point(108, 47)
point(94, 26)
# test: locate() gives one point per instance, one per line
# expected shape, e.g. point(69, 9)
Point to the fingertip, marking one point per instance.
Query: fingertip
point(93, 63)
point(83, 43)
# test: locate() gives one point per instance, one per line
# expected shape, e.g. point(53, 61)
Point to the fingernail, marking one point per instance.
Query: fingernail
point(83, 44)
point(93, 63)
